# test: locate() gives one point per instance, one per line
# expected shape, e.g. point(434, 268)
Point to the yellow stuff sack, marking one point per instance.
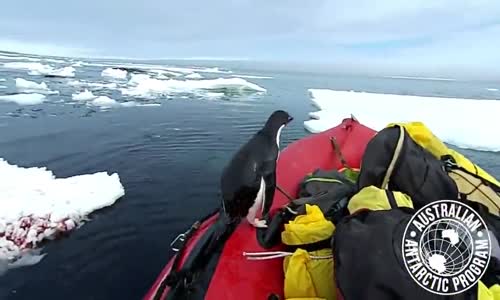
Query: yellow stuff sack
point(472, 181)
point(309, 273)
point(485, 293)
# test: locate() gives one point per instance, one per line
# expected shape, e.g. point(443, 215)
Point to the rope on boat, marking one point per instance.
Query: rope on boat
point(284, 193)
point(277, 254)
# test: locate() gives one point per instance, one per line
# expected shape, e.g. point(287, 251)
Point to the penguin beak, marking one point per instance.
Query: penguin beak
point(290, 118)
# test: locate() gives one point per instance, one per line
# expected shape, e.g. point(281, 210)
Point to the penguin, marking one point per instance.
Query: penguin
point(248, 182)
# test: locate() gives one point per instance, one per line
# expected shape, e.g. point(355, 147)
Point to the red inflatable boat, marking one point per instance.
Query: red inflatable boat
point(233, 276)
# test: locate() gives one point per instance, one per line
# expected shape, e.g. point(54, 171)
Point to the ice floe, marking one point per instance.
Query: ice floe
point(466, 123)
point(194, 76)
point(96, 85)
point(30, 66)
point(83, 96)
point(252, 76)
point(62, 72)
point(27, 86)
point(36, 68)
point(37, 206)
point(105, 101)
point(492, 89)
point(114, 73)
point(421, 78)
point(146, 86)
point(24, 99)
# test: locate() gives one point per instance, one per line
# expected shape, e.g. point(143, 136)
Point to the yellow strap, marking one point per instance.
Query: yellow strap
point(373, 198)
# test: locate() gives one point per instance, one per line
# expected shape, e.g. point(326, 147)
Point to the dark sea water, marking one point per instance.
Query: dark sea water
point(169, 159)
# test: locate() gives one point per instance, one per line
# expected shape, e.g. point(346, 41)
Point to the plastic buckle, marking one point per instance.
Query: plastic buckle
point(182, 238)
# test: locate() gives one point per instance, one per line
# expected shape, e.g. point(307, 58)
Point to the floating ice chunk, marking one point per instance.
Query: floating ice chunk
point(24, 99)
point(163, 74)
point(96, 85)
point(129, 104)
point(63, 72)
point(197, 69)
point(3, 87)
point(77, 64)
point(115, 73)
point(27, 86)
point(37, 206)
point(252, 76)
point(105, 101)
point(421, 78)
point(84, 96)
point(28, 66)
point(213, 95)
point(136, 104)
point(18, 58)
point(146, 86)
point(444, 116)
point(41, 69)
point(492, 89)
point(136, 79)
point(29, 257)
point(194, 76)
point(2, 80)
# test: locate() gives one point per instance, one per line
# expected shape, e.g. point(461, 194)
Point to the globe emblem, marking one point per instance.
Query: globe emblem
point(446, 247)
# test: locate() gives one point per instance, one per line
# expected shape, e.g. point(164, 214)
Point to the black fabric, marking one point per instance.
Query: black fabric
point(368, 258)
point(317, 182)
point(193, 279)
point(392, 200)
point(271, 236)
point(417, 172)
point(492, 275)
point(331, 197)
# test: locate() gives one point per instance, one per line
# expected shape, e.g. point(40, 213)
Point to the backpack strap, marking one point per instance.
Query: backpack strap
point(472, 186)
point(395, 156)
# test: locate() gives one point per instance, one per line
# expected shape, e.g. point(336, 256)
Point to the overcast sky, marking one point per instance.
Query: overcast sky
point(416, 35)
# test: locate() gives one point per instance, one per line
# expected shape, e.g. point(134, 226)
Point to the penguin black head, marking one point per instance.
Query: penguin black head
point(275, 123)
point(277, 120)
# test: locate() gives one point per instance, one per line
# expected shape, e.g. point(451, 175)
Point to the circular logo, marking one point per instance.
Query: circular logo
point(446, 247)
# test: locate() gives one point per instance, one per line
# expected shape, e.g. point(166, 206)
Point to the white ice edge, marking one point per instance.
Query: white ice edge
point(36, 205)
point(145, 86)
point(252, 76)
point(83, 96)
point(114, 73)
point(24, 99)
point(27, 86)
point(465, 123)
point(41, 69)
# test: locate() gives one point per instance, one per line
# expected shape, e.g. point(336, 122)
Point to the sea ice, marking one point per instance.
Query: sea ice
point(37, 206)
point(114, 73)
point(194, 76)
point(62, 72)
point(27, 86)
point(24, 99)
point(84, 96)
point(145, 86)
point(466, 123)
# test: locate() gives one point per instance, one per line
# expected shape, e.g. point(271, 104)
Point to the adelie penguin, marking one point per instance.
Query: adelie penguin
point(248, 182)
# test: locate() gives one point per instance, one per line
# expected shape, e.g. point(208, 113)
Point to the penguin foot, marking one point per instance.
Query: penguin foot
point(259, 223)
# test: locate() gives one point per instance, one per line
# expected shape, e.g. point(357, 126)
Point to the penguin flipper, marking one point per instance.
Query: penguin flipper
point(269, 193)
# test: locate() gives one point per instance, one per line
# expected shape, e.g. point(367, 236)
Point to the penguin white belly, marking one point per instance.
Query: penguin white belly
point(258, 203)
